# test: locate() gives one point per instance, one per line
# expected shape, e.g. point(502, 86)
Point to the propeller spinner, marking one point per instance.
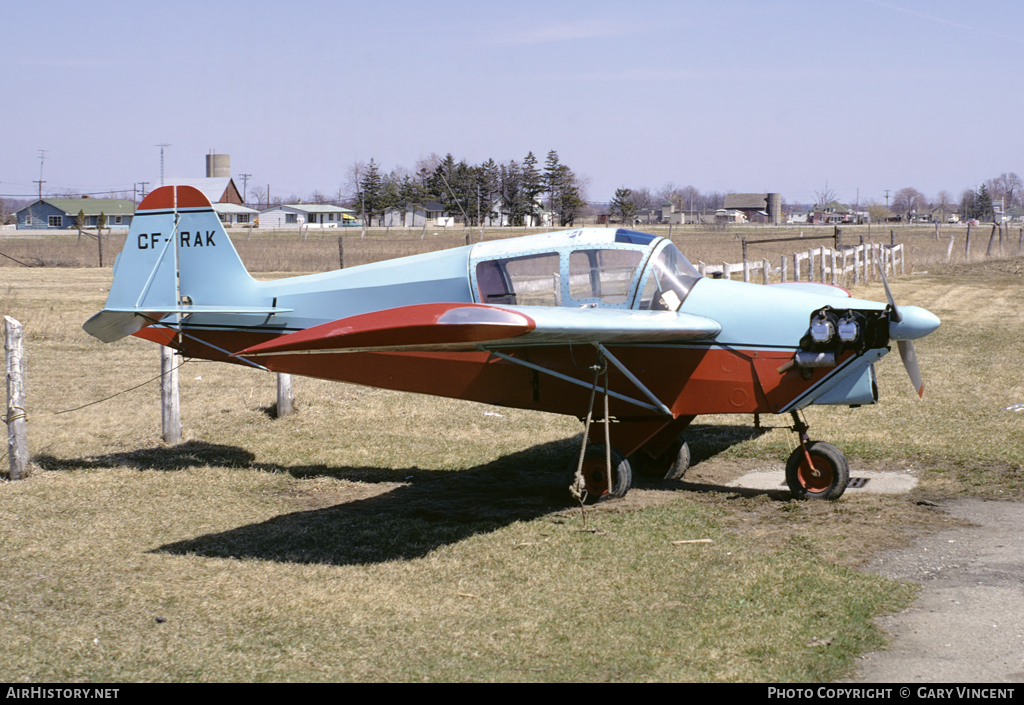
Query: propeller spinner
point(905, 326)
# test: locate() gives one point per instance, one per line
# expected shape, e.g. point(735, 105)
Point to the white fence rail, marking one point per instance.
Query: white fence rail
point(839, 267)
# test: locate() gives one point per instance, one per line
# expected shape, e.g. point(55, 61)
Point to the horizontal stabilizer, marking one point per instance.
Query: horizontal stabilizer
point(113, 324)
point(462, 326)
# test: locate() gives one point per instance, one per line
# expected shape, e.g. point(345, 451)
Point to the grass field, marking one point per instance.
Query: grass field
point(379, 536)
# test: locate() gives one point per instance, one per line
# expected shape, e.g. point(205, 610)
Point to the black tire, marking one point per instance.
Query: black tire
point(829, 479)
point(595, 480)
point(670, 465)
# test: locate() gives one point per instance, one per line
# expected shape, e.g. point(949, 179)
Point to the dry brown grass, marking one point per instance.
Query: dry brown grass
point(283, 251)
point(384, 536)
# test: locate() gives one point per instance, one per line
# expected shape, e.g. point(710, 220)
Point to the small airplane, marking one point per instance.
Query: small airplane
point(544, 322)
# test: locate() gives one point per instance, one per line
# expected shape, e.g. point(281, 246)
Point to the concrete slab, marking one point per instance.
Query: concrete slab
point(866, 481)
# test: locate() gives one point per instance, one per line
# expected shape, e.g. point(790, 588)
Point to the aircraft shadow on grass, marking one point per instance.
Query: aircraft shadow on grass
point(428, 510)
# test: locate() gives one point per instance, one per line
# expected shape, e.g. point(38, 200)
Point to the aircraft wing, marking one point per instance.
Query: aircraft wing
point(466, 326)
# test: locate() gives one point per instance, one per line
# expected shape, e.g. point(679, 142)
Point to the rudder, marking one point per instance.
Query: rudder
point(177, 259)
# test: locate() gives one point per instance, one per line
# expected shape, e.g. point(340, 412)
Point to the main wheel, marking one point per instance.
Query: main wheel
point(670, 465)
point(828, 477)
point(595, 476)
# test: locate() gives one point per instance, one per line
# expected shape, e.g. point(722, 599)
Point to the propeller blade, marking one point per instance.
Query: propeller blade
point(895, 313)
point(909, 356)
point(907, 351)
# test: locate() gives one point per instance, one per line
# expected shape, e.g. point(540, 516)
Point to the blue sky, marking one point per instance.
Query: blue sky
point(731, 95)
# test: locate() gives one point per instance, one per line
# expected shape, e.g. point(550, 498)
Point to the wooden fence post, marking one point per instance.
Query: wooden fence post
point(784, 260)
point(967, 245)
point(17, 445)
point(949, 249)
point(170, 402)
point(285, 398)
point(341, 252)
point(766, 271)
point(991, 239)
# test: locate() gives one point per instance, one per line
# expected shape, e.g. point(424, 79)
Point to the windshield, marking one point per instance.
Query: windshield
point(669, 281)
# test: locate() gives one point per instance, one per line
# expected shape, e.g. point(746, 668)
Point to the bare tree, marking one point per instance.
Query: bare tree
point(353, 180)
point(825, 196)
point(641, 198)
point(1006, 188)
point(944, 204)
point(259, 193)
point(908, 201)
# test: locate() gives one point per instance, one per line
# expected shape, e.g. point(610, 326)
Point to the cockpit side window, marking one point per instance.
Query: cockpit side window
point(534, 280)
point(602, 275)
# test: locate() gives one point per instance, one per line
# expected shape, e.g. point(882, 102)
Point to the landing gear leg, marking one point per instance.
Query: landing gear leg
point(602, 472)
point(815, 469)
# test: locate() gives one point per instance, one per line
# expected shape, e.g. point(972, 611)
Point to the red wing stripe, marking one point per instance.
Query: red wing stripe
point(420, 325)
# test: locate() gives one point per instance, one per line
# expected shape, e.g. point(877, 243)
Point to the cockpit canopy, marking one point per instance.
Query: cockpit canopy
point(588, 268)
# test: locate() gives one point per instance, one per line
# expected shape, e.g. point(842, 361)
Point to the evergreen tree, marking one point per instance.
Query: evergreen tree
point(623, 207)
point(983, 204)
point(488, 184)
point(563, 190)
point(533, 185)
point(372, 193)
point(512, 199)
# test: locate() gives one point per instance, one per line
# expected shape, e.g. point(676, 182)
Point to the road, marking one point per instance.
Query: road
point(967, 625)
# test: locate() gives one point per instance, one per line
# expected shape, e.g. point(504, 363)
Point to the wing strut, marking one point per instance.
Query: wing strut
point(179, 331)
point(632, 378)
point(660, 408)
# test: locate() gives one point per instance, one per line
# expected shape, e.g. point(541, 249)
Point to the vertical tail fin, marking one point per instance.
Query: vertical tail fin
point(177, 259)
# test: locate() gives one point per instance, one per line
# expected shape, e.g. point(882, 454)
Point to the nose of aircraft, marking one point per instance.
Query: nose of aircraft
point(917, 323)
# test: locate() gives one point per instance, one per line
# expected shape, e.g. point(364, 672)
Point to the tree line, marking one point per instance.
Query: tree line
point(516, 192)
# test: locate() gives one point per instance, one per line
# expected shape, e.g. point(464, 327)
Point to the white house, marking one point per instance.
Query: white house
point(234, 214)
point(297, 215)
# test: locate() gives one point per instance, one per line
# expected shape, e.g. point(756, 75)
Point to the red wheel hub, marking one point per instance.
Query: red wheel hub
point(817, 478)
point(595, 477)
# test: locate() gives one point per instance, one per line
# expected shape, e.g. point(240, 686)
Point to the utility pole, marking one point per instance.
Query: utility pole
point(42, 158)
point(245, 186)
point(144, 184)
point(162, 146)
point(887, 200)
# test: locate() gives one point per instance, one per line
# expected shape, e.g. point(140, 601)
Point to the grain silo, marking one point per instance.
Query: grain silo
point(218, 165)
point(775, 208)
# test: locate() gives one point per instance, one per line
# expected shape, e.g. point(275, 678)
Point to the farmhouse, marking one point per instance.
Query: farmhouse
point(832, 213)
point(61, 213)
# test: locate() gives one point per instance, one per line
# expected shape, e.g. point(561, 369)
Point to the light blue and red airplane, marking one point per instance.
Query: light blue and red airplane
point(538, 322)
